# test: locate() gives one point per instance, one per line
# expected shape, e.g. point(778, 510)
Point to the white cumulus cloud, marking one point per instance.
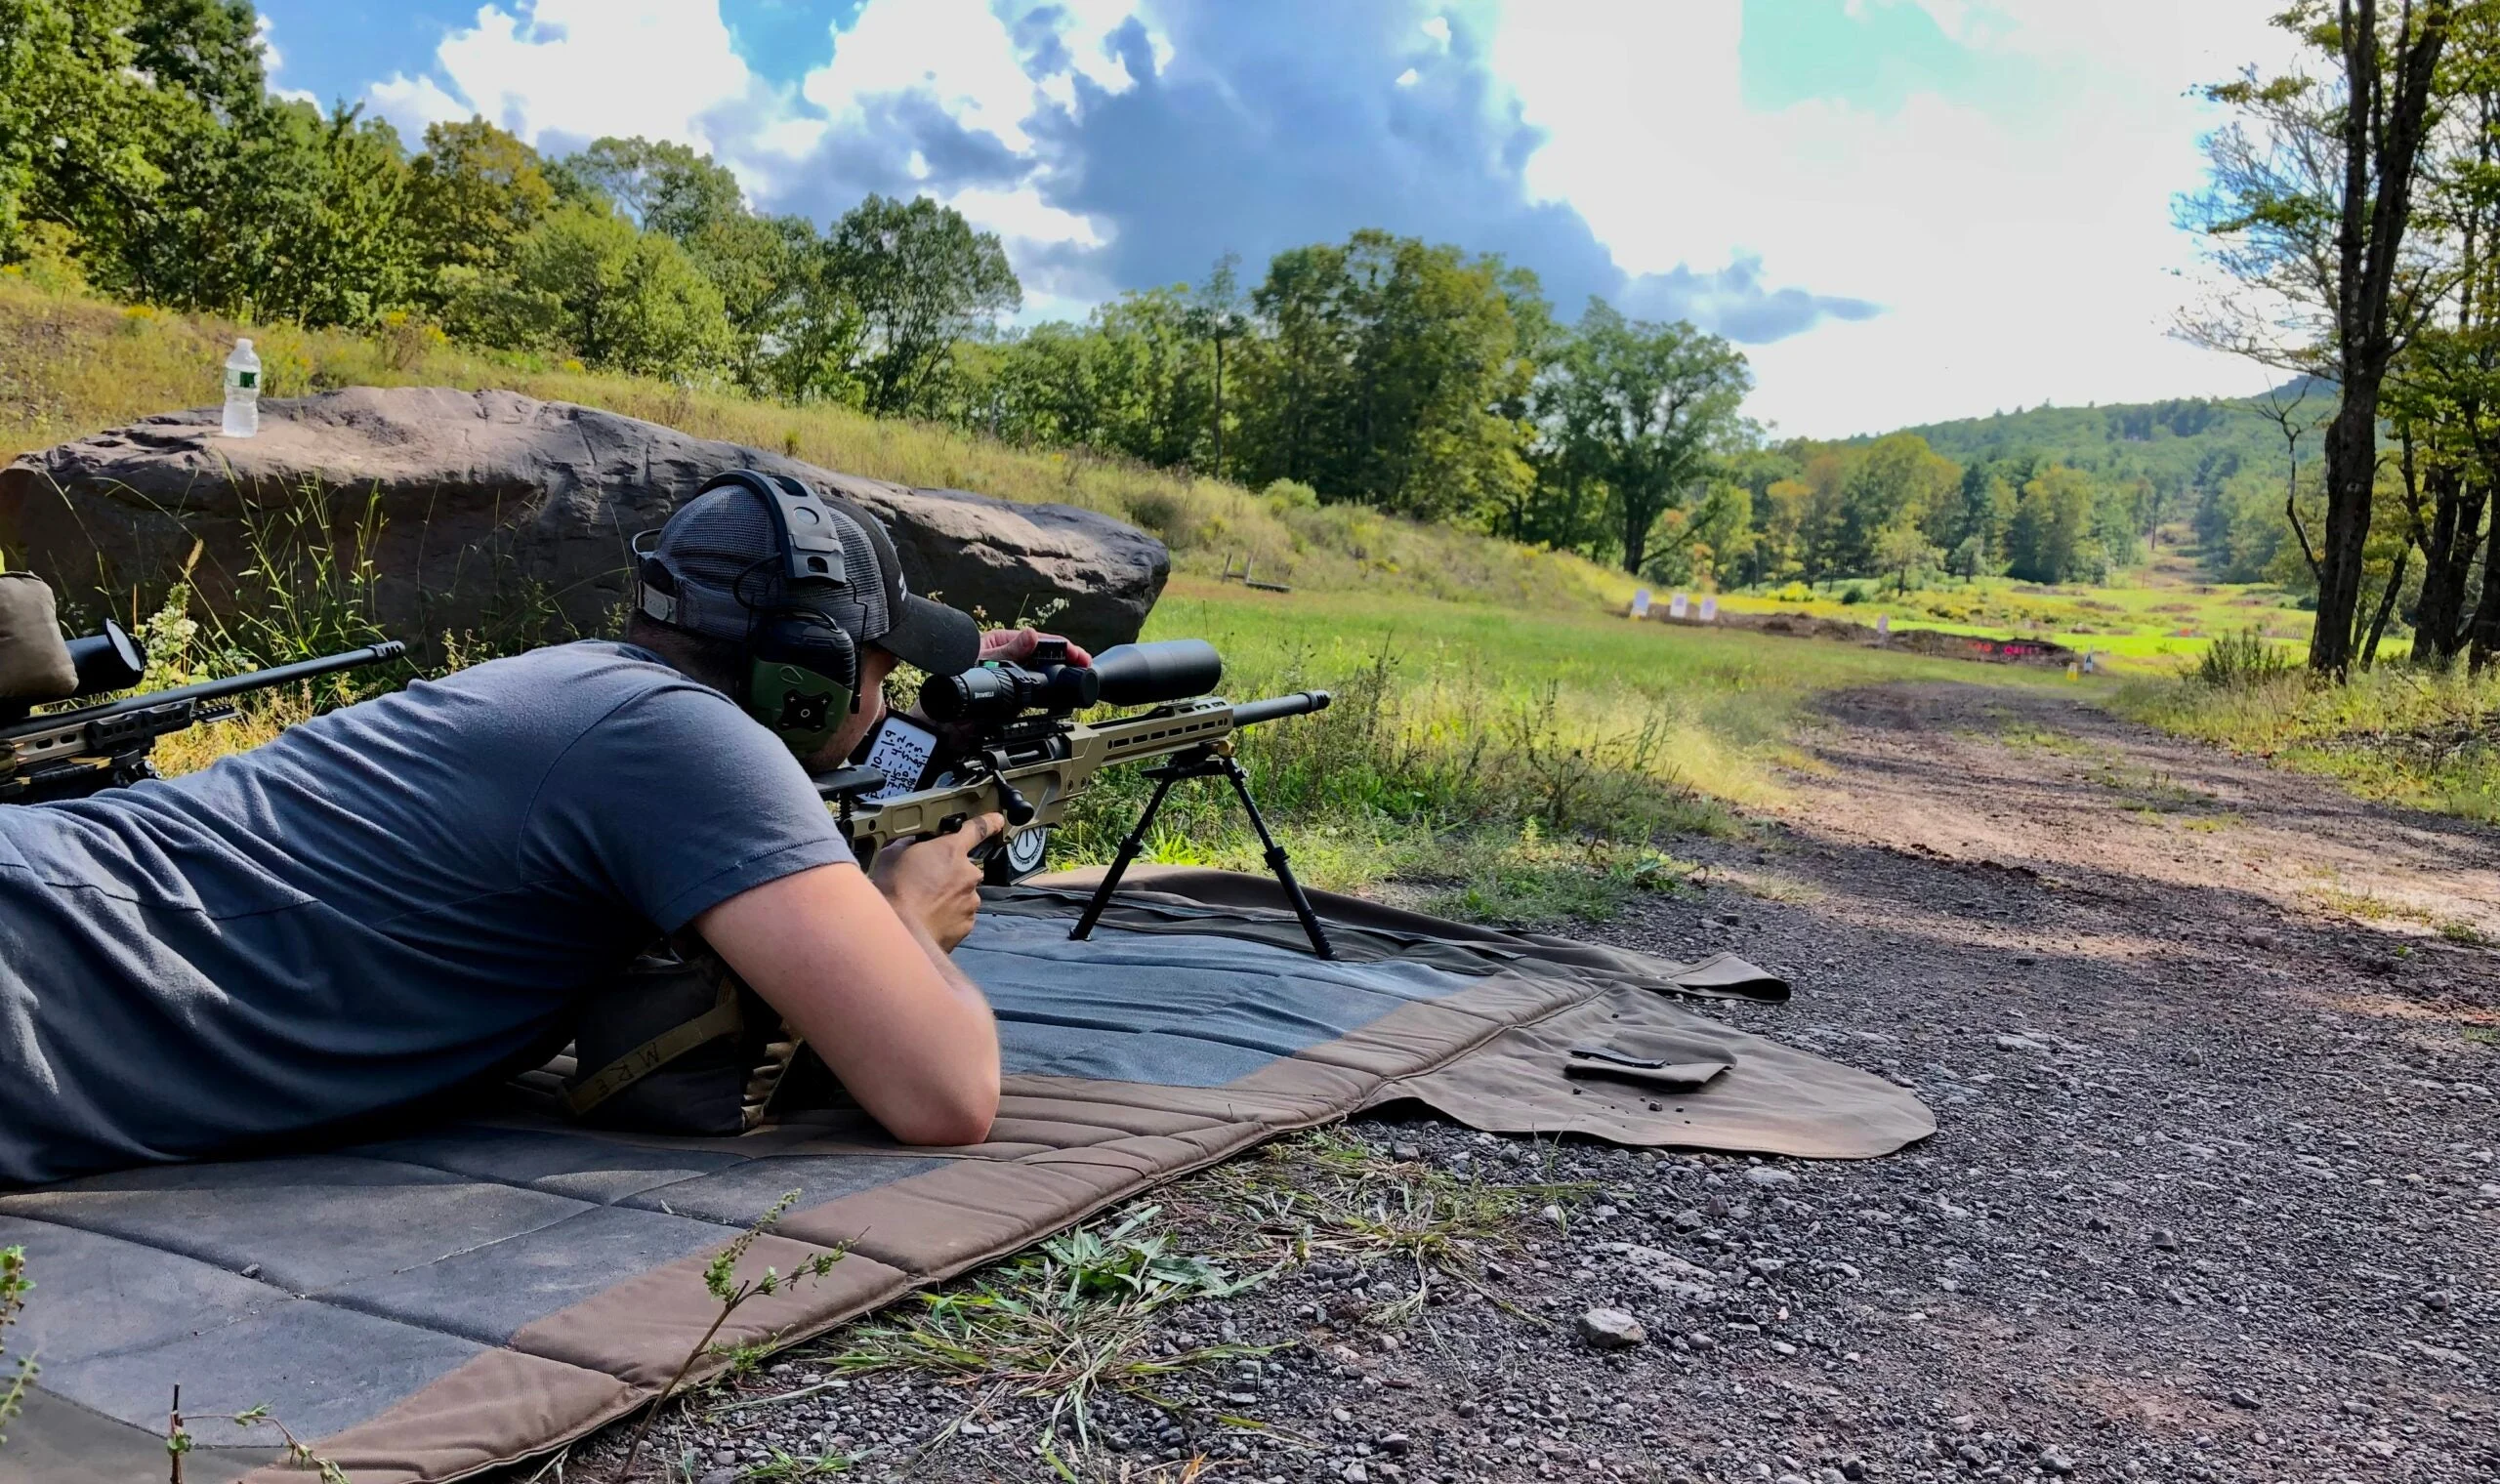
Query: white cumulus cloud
point(577, 69)
point(1942, 257)
point(2019, 253)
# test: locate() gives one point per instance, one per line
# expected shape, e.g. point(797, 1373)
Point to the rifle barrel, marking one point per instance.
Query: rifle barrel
point(209, 690)
point(1299, 703)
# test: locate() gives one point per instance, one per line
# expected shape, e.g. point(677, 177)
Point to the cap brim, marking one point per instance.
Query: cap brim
point(934, 636)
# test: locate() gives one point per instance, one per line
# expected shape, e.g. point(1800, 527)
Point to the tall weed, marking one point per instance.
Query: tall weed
point(2429, 741)
point(2242, 661)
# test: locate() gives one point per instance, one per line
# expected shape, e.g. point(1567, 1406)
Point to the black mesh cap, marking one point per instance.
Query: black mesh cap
point(721, 560)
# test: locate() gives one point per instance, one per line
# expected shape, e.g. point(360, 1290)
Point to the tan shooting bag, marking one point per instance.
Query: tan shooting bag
point(34, 659)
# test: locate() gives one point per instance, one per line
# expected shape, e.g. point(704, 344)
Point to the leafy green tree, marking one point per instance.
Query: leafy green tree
point(79, 123)
point(1704, 541)
point(764, 267)
point(1391, 372)
point(2311, 201)
point(816, 346)
point(1572, 455)
point(2051, 539)
point(758, 264)
point(142, 126)
point(1897, 481)
point(284, 214)
point(659, 186)
point(585, 280)
point(1902, 551)
point(1154, 378)
point(1975, 532)
point(1218, 316)
point(472, 194)
point(207, 49)
point(1666, 399)
point(919, 279)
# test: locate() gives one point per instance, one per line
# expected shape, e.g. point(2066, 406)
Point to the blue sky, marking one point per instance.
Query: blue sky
point(1903, 210)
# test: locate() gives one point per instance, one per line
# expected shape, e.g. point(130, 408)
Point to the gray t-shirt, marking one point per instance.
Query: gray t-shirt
point(374, 908)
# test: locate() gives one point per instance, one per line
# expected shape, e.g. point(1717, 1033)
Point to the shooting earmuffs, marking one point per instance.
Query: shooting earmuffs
point(803, 669)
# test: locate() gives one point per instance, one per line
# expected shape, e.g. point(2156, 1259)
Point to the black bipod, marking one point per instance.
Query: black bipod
point(1204, 763)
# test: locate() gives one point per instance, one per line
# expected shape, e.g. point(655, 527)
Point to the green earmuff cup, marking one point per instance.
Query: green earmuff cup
point(802, 707)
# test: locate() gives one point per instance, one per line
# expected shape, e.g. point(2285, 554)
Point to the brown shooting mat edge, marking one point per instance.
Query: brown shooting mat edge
point(579, 1368)
point(673, 1297)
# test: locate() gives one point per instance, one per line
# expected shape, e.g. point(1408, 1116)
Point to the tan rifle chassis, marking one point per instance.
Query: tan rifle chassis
point(1049, 764)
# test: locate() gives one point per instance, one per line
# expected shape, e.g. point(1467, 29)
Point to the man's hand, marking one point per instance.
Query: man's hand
point(1017, 644)
point(873, 992)
point(936, 884)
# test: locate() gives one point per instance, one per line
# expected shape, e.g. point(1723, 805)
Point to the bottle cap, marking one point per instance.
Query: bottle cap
point(244, 344)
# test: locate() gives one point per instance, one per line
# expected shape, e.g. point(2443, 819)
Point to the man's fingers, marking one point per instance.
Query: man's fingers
point(978, 830)
point(1020, 643)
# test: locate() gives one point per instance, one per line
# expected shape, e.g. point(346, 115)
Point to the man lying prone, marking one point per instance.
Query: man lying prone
point(398, 898)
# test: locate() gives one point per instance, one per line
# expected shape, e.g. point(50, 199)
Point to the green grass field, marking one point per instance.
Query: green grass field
point(2424, 741)
point(1522, 765)
point(2154, 618)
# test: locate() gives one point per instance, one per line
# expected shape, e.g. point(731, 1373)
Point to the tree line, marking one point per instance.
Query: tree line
point(2354, 201)
point(138, 141)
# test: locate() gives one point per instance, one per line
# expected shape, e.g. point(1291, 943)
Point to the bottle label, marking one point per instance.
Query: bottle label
point(247, 381)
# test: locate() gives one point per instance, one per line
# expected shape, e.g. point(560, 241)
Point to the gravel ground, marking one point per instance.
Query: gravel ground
point(2214, 1053)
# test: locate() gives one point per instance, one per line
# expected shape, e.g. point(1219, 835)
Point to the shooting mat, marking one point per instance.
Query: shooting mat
point(447, 1300)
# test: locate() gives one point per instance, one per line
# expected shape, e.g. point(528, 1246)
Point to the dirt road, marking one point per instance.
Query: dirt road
point(2214, 1051)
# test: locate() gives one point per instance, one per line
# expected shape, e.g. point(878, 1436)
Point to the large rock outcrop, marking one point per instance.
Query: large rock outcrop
point(502, 515)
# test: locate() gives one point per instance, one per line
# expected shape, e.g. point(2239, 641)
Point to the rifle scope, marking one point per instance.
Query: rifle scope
point(1130, 675)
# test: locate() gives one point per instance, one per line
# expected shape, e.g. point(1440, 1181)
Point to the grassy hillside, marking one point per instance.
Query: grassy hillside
point(2181, 445)
point(1499, 739)
point(71, 366)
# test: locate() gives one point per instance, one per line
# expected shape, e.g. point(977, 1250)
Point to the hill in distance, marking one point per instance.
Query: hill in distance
point(2182, 445)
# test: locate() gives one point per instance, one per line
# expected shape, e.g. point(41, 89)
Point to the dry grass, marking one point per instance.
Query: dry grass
point(71, 365)
point(2427, 741)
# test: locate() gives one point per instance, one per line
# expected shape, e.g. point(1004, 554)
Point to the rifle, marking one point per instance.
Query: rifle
point(1007, 742)
point(73, 753)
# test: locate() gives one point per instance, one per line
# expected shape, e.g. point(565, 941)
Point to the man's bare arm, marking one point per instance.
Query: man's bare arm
point(863, 973)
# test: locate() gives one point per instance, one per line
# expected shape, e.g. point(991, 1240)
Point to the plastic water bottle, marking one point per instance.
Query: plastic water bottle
point(242, 391)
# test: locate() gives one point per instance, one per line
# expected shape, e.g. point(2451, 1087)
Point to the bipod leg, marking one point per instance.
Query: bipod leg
point(1165, 778)
point(1277, 861)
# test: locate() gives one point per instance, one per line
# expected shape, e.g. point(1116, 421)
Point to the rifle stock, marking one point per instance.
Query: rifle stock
point(1044, 767)
point(70, 754)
